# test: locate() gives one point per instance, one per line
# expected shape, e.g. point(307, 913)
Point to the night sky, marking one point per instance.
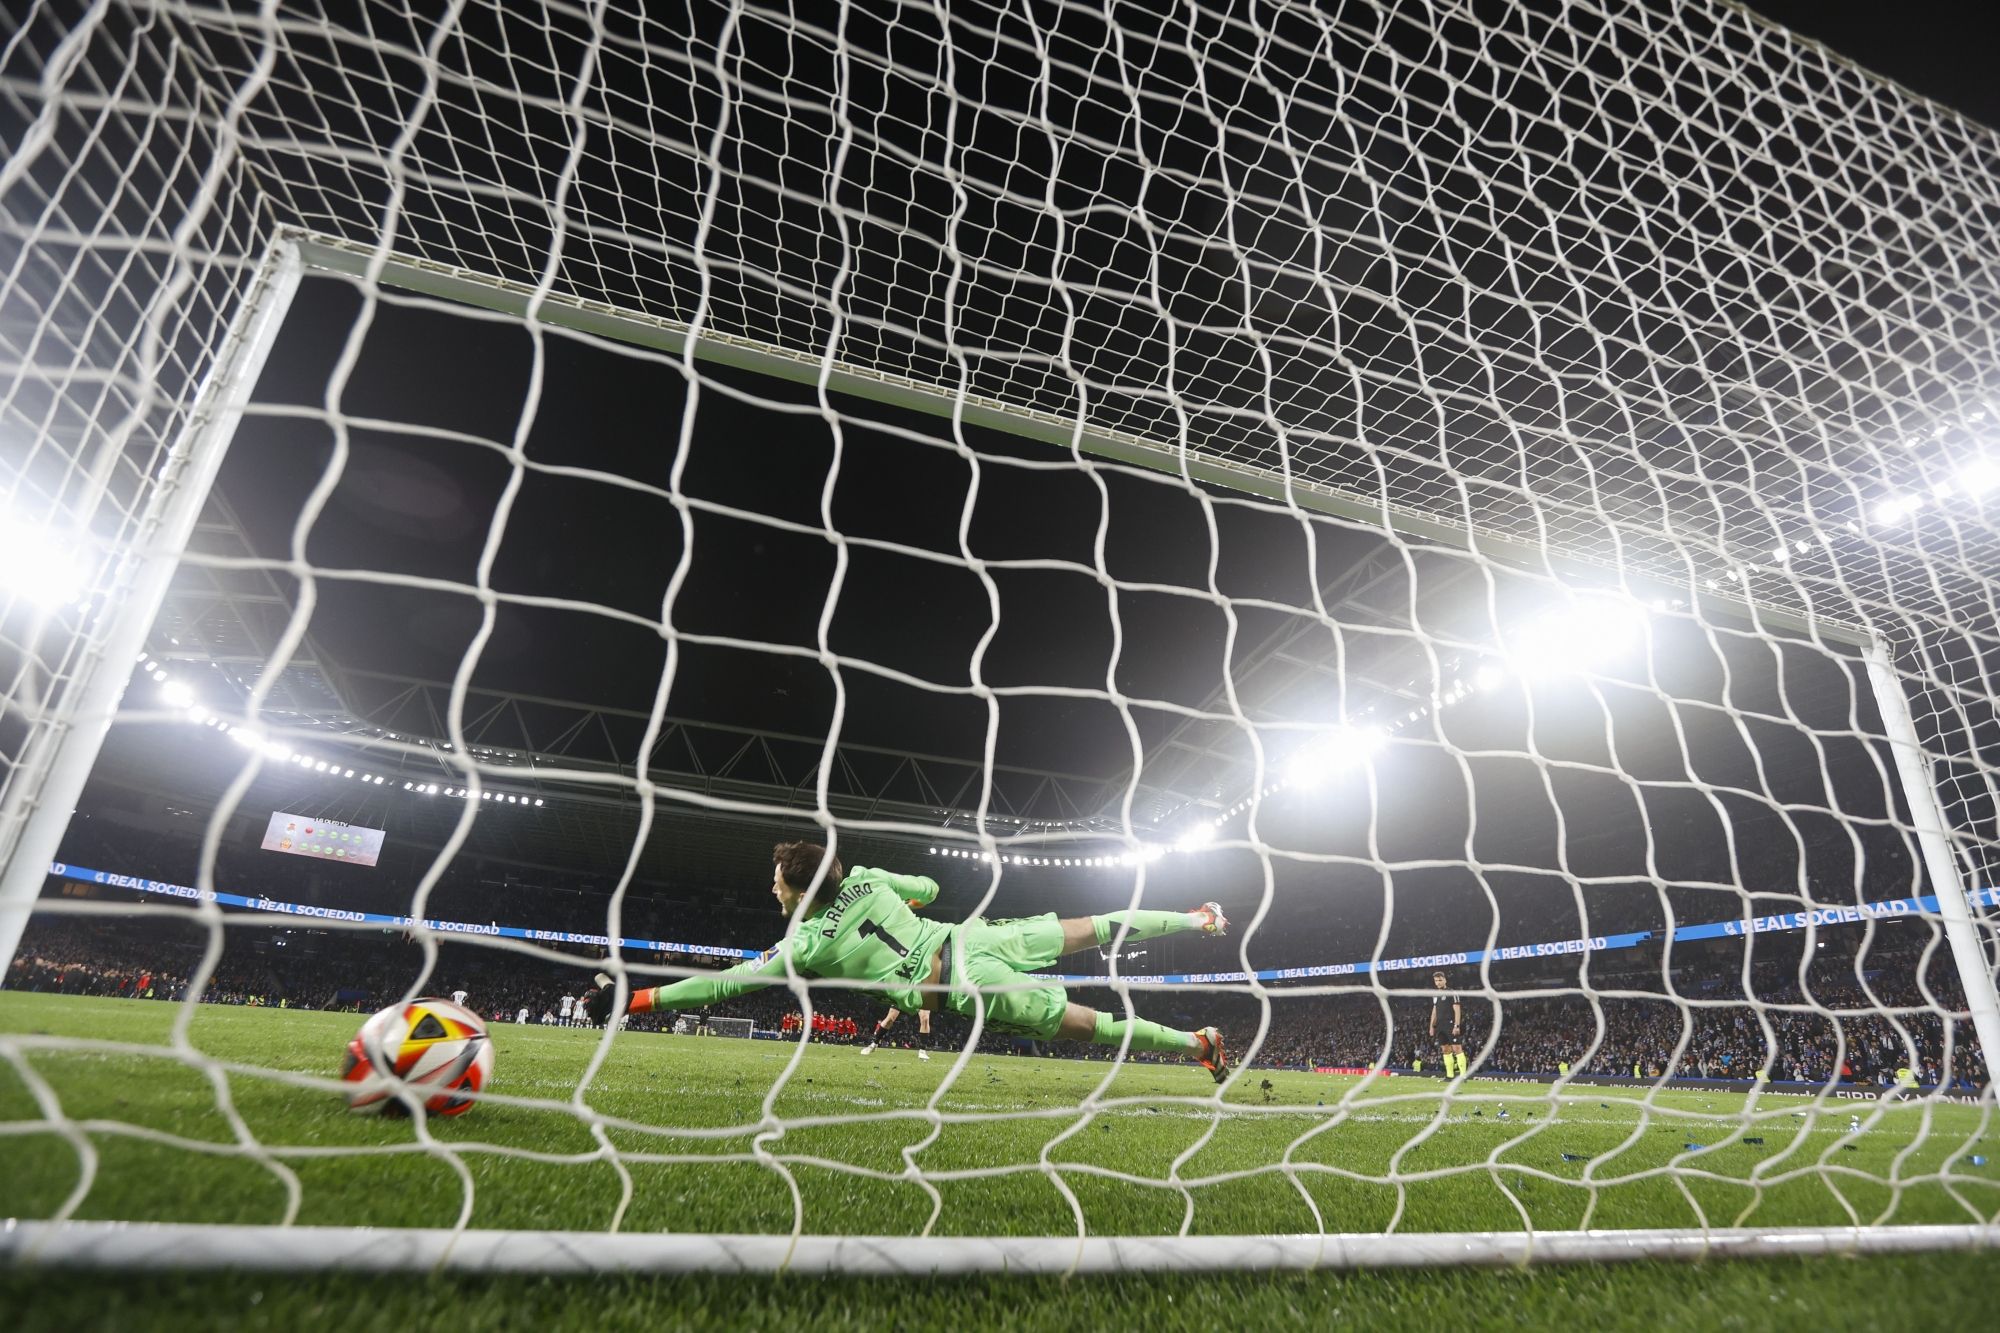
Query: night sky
point(1929, 48)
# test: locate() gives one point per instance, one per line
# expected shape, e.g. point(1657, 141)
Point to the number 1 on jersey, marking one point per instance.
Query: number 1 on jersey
point(871, 928)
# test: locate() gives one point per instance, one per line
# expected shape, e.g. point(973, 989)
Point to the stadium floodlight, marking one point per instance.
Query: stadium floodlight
point(1343, 751)
point(1310, 767)
point(1897, 508)
point(40, 564)
point(1978, 477)
point(1196, 837)
point(176, 694)
point(1586, 632)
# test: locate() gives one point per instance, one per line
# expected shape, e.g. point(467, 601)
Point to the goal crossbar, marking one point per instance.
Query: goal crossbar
point(334, 256)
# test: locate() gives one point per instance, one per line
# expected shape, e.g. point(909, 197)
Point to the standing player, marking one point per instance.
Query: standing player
point(859, 927)
point(522, 1017)
point(562, 1010)
point(888, 1021)
point(458, 998)
point(1453, 1050)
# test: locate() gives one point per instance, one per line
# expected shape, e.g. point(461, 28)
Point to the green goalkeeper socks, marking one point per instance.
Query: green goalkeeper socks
point(1143, 925)
point(1146, 1035)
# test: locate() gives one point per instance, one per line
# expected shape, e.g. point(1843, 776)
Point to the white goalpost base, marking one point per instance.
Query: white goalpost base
point(143, 1247)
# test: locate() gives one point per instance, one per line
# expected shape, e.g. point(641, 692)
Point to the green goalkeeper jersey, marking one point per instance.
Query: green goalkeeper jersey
point(866, 933)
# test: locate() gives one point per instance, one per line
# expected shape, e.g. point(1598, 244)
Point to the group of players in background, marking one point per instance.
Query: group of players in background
point(568, 1012)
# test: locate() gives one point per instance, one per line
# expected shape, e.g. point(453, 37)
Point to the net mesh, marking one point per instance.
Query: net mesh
point(1587, 388)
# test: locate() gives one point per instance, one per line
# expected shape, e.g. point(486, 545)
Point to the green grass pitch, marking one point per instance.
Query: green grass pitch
point(690, 1117)
point(709, 1136)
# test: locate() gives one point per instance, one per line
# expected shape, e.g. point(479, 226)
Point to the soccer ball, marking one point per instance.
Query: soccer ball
point(435, 1049)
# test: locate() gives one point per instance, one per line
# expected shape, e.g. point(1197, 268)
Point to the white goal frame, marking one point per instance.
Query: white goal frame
point(70, 745)
point(229, 85)
point(42, 793)
point(118, 1246)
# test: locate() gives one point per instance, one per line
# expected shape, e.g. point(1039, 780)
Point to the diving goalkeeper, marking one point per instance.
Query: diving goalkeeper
point(858, 926)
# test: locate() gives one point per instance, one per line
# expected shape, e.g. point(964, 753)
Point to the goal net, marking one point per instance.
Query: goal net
point(1496, 500)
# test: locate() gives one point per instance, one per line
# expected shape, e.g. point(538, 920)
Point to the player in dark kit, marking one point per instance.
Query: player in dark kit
point(859, 926)
point(1453, 1050)
point(888, 1020)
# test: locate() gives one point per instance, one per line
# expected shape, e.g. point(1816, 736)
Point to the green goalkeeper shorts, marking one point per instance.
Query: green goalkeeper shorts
point(986, 955)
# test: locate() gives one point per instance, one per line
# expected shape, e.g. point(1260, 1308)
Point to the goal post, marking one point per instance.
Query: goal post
point(1975, 958)
point(1549, 531)
point(67, 730)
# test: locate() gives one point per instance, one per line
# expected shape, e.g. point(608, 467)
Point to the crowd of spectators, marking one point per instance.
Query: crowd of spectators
point(1844, 1018)
point(1858, 1030)
point(1838, 1026)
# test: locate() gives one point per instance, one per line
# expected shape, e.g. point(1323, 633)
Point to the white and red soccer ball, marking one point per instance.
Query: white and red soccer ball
point(435, 1051)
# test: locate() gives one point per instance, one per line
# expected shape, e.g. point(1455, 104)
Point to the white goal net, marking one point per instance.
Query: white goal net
point(1496, 499)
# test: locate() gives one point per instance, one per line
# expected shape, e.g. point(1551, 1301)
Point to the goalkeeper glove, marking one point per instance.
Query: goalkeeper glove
point(597, 1003)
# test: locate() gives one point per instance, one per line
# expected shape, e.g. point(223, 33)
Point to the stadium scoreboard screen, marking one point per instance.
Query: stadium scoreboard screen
point(326, 839)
